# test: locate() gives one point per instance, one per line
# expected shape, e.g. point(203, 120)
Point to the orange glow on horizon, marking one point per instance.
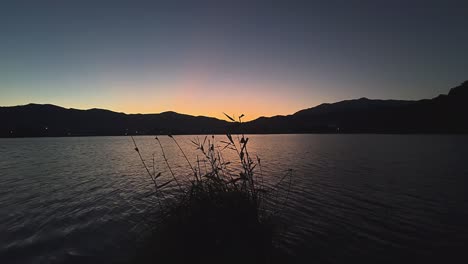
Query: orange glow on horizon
point(196, 91)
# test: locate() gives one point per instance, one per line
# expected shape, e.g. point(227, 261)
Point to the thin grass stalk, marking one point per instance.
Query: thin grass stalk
point(169, 166)
point(185, 156)
point(156, 189)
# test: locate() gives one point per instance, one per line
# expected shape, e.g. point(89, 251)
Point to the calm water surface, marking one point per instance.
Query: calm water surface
point(382, 198)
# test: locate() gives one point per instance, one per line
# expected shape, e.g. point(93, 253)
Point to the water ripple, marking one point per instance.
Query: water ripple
point(353, 197)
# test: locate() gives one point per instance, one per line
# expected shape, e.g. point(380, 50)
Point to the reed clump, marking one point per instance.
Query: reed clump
point(221, 214)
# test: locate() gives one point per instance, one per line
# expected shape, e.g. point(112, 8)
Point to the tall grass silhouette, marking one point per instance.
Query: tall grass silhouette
point(222, 213)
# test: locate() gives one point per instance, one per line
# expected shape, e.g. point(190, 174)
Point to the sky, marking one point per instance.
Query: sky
point(258, 58)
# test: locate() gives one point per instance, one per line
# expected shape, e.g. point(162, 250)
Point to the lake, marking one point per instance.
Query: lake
point(376, 198)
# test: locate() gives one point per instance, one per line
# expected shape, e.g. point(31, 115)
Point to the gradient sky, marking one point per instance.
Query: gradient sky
point(259, 58)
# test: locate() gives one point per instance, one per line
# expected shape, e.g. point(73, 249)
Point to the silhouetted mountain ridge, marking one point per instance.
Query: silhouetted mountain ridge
point(442, 114)
point(353, 105)
point(51, 120)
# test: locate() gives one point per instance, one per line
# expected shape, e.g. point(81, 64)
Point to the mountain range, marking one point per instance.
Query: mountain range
point(446, 113)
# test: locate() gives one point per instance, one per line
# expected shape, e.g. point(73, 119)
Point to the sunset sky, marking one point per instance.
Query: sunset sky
point(207, 57)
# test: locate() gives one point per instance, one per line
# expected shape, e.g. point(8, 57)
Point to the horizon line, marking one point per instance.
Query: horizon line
point(221, 113)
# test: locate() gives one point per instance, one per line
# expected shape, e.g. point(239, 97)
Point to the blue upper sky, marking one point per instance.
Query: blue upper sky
point(209, 57)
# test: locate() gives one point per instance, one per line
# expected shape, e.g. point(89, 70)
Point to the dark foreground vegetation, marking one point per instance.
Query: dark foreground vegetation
point(223, 213)
point(442, 114)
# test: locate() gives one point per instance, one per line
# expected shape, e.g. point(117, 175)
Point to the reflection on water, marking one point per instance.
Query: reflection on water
point(383, 198)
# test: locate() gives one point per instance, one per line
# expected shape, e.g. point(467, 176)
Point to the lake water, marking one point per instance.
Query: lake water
point(376, 198)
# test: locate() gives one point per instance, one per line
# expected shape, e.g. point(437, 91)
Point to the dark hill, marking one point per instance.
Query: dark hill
point(50, 120)
point(442, 114)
